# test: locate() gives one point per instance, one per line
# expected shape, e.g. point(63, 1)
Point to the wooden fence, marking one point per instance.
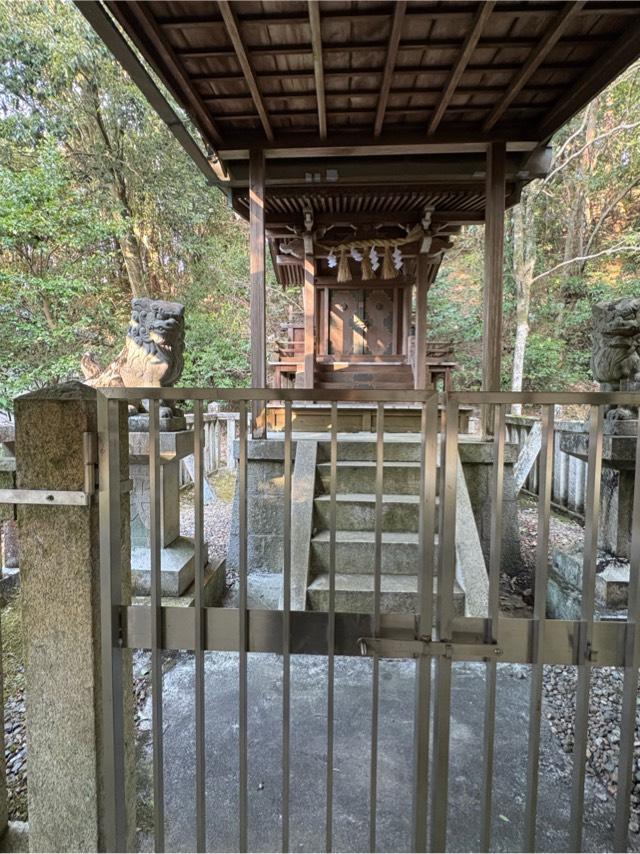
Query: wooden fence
point(569, 473)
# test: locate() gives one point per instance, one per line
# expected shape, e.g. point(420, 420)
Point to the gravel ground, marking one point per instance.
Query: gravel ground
point(603, 751)
point(217, 514)
point(560, 682)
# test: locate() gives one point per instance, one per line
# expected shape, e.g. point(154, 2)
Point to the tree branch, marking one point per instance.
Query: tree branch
point(605, 213)
point(611, 251)
point(579, 151)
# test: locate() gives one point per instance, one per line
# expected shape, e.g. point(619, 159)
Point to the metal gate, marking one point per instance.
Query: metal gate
point(433, 639)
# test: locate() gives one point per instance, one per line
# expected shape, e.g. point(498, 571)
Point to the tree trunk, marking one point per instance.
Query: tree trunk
point(48, 314)
point(579, 213)
point(131, 257)
point(523, 265)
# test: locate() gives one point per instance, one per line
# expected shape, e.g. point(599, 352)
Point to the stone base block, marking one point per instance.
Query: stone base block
point(214, 585)
point(177, 568)
point(140, 423)
point(9, 582)
point(565, 585)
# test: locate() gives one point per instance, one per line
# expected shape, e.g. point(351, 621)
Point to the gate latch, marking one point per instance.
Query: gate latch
point(58, 497)
point(400, 648)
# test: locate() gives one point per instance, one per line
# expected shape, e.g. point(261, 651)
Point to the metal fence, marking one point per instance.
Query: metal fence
point(430, 639)
point(569, 482)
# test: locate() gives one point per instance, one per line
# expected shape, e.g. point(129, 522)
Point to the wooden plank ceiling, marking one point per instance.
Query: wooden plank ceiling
point(353, 98)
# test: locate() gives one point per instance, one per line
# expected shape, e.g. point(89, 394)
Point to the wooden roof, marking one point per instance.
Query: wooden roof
point(372, 111)
point(282, 74)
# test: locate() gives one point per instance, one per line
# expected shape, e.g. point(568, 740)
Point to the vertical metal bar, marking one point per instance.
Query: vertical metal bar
point(242, 633)
point(377, 591)
point(632, 663)
point(426, 542)
point(156, 623)
point(331, 627)
point(286, 629)
point(539, 616)
point(495, 560)
point(198, 474)
point(115, 820)
point(592, 512)
point(444, 623)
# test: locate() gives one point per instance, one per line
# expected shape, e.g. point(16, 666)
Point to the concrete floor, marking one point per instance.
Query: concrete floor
point(352, 743)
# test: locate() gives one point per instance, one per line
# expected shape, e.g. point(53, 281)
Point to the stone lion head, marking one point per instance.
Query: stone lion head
point(158, 327)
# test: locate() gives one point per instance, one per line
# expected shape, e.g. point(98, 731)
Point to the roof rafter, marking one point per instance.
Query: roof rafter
point(392, 54)
point(231, 25)
point(536, 58)
point(141, 15)
point(318, 64)
point(484, 10)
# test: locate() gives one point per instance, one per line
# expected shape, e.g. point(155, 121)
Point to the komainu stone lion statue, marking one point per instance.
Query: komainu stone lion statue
point(153, 354)
point(615, 355)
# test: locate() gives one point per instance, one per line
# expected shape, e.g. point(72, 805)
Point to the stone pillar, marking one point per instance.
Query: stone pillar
point(61, 624)
point(477, 463)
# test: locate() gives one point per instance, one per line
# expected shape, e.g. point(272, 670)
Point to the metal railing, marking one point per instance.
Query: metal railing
point(434, 634)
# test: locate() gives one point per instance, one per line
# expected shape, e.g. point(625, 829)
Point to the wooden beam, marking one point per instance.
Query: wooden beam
point(420, 344)
point(309, 304)
point(269, 97)
point(318, 64)
point(257, 275)
point(305, 48)
point(231, 24)
point(493, 285)
point(465, 140)
point(392, 54)
point(378, 71)
point(470, 44)
point(536, 58)
point(368, 16)
point(332, 282)
point(612, 63)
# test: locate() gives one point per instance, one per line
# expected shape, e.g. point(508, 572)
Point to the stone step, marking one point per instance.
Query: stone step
point(354, 594)
point(400, 478)
point(357, 512)
point(365, 450)
point(355, 552)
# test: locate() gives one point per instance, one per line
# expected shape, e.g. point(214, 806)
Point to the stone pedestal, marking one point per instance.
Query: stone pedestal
point(61, 625)
point(177, 556)
point(614, 531)
point(618, 471)
point(477, 463)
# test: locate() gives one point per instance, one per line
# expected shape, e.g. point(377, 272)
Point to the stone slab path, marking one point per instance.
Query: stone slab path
point(352, 744)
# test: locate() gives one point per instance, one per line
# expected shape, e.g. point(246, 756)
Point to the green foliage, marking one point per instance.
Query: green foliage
point(98, 203)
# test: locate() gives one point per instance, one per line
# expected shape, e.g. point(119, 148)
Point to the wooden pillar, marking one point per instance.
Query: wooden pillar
point(406, 318)
point(258, 293)
point(422, 286)
point(493, 286)
point(309, 304)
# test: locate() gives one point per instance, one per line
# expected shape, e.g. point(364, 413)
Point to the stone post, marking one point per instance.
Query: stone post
point(61, 624)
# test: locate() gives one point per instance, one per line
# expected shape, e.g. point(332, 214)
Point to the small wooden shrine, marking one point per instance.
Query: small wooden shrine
point(357, 138)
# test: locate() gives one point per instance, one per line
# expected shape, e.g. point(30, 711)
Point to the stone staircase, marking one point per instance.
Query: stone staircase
point(355, 528)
